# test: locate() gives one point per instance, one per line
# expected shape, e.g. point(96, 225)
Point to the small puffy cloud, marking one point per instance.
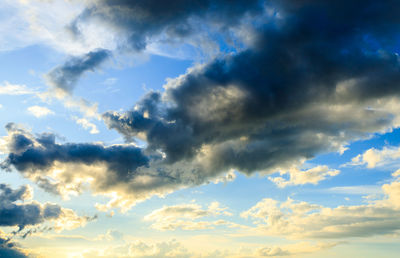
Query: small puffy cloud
point(16, 210)
point(7, 88)
point(372, 158)
point(87, 125)
point(300, 177)
point(185, 217)
point(39, 111)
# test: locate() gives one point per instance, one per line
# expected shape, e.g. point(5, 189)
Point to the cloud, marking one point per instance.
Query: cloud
point(87, 125)
point(372, 158)
point(9, 249)
point(288, 97)
point(39, 111)
point(64, 78)
point(295, 219)
point(184, 216)
point(293, 249)
point(32, 213)
point(7, 88)
point(124, 172)
point(358, 190)
point(107, 169)
point(310, 79)
point(298, 177)
point(136, 24)
point(175, 248)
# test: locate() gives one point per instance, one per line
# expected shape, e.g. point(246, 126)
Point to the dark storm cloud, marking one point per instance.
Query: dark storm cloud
point(21, 215)
point(270, 104)
point(315, 76)
point(66, 76)
point(140, 20)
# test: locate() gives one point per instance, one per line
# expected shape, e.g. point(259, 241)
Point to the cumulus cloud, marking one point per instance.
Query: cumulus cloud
point(39, 111)
point(371, 158)
point(124, 172)
point(300, 177)
point(296, 219)
point(288, 97)
point(311, 78)
point(112, 170)
point(186, 217)
point(32, 213)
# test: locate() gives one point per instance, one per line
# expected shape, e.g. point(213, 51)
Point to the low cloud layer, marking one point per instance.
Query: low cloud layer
point(296, 219)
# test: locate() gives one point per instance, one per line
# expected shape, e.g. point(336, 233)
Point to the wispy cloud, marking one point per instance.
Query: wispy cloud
point(7, 88)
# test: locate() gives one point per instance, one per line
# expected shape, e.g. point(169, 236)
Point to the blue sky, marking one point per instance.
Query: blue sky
point(202, 129)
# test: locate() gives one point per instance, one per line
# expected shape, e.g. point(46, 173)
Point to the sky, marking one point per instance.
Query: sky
point(204, 128)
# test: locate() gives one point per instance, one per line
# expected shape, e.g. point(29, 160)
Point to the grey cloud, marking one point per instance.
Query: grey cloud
point(316, 75)
point(304, 87)
point(141, 20)
point(65, 77)
point(21, 215)
point(8, 249)
point(41, 152)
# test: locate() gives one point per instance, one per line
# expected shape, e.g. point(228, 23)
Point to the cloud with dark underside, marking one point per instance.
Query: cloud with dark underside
point(18, 210)
point(140, 21)
point(314, 77)
point(9, 249)
point(301, 89)
point(64, 78)
point(21, 215)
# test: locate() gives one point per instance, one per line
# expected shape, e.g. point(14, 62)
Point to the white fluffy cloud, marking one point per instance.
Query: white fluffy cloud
point(300, 177)
point(39, 111)
point(372, 158)
point(87, 125)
